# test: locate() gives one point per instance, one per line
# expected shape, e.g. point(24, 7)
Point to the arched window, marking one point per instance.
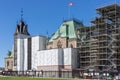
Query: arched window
point(11, 63)
point(50, 47)
point(7, 63)
point(71, 45)
point(59, 45)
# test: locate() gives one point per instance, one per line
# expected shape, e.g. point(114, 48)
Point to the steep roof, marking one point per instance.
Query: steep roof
point(9, 54)
point(67, 29)
point(21, 28)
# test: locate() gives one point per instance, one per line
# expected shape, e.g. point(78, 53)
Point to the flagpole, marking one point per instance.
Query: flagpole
point(68, 12)
point(115, 1)
point(69, 9)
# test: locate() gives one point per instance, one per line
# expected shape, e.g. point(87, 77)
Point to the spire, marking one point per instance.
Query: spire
point(21, 14)
point(22, 26)
point(47, 33)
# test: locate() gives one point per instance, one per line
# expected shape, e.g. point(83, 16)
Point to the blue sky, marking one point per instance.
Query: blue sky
point(41, 16)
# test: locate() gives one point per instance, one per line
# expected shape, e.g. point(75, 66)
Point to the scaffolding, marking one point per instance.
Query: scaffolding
point(99, 44)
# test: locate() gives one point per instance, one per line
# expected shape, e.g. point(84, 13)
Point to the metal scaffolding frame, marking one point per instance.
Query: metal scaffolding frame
point(99, 44)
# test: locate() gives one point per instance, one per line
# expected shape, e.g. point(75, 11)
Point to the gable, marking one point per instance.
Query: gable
point(67, 29)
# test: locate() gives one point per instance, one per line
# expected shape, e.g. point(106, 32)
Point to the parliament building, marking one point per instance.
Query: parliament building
point(73, 47)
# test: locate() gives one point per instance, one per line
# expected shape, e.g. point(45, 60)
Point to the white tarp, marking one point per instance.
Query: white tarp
point(38, 43)
point(50, 57)
point(67, 56)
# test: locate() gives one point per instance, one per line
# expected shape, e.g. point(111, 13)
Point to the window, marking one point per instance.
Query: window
point(7, 63)
point(59, 45)
point(50, 47)
point(71, 46)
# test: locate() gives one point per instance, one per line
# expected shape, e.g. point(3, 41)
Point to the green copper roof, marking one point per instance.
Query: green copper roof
point(10, 54)
point(67, 29)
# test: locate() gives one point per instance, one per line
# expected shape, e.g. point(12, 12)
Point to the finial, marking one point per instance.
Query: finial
point(22, 14)
point(47, 33)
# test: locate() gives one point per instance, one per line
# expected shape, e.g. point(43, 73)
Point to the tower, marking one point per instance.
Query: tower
point(20, 33)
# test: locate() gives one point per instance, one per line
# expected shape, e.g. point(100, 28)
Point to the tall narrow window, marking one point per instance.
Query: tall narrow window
point(59, 45)
point(67, 35)
point(67, 30)
point(7, 63)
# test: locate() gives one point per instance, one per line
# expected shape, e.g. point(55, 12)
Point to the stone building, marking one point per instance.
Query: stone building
point(58, 53)
point(9, 61)
point(65, 36)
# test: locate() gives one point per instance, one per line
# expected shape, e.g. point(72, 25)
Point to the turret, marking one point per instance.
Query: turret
point(21, 28)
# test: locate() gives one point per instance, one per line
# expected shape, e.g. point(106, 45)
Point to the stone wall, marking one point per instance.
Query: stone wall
point(9, 64)
point(62, 43)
